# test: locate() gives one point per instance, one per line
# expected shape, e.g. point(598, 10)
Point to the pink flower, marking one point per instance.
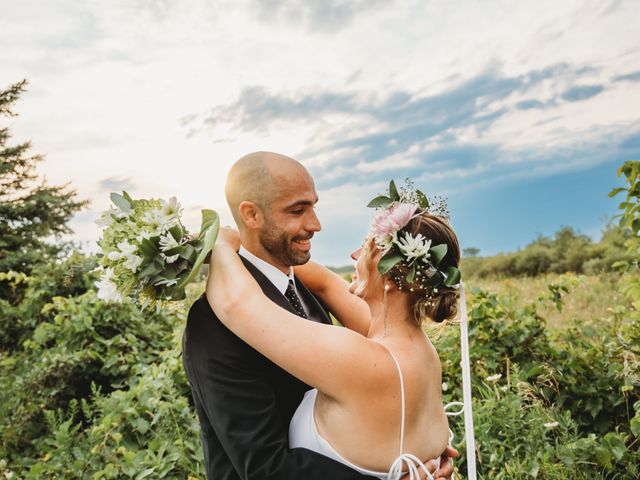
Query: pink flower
point(389, 221)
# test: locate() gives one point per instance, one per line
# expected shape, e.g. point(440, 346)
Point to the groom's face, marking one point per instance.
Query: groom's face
point(290, 221)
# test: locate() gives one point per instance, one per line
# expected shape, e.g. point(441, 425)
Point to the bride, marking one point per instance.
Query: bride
point(376, 404)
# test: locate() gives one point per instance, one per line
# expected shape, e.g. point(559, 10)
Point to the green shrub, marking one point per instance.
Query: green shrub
point(80, 342)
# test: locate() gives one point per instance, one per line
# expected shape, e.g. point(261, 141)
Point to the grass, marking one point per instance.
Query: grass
point(590, 297)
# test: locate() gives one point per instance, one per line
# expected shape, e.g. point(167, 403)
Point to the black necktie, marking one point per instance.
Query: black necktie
point(294, 300)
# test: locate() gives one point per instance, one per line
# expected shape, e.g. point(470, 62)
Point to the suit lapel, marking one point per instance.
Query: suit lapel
point(268, 288)
point(313, 303)
point(272, 293)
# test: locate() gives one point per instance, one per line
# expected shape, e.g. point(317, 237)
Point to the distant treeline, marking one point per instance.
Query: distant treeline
point(566, 251)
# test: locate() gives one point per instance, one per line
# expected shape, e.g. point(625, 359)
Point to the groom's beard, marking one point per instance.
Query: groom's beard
point(280, 247)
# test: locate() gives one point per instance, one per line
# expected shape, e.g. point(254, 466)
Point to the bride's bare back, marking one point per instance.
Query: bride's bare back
point(364, 427)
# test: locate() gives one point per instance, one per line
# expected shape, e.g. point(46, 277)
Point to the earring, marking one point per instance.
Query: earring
point(384, 309)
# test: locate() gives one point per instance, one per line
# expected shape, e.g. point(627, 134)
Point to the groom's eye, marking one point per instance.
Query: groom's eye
point(297, 211)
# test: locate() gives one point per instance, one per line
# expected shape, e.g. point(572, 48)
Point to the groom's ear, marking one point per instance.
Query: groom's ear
point(251, 214)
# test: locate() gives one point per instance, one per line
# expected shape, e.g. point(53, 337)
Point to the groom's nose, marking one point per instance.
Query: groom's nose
point(313, 224)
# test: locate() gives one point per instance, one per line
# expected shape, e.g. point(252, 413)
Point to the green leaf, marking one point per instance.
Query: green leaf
point(209, 219)
point(127, 197)
point(393, 191)
point(453, 277)
point(635, 425)
point(616, 191)
point(380, 201)
point(603, 456)
point(533, 371)
point(174, 251)
point(437, 253)
point(189, 253)
point(208, 234)
point(620, 264)
point(423, 201)
point(388, 261)
point(176, 232)
point(121, 202)
point(616, 445)
point(148, 248)
point(178, 294)
point(411, 275)
point(152, 269)
point(145, 473)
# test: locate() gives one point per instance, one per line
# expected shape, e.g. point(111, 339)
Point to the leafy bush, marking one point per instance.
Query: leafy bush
point(567, 251)
point(66, 277)
point(145, 430)
point(80, 342)
point(524, 376)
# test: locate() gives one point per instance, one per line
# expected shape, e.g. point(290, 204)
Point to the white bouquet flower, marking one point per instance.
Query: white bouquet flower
point(146, 252)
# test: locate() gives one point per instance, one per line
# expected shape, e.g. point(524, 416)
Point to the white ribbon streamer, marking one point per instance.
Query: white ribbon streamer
point(466, 389)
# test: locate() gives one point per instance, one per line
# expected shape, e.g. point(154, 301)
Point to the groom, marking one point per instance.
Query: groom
point(244, 401)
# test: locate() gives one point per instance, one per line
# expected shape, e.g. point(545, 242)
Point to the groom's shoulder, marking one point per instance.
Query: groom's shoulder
point(201, 314)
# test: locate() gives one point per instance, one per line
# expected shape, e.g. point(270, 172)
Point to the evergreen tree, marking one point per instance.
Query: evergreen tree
point(30, 210)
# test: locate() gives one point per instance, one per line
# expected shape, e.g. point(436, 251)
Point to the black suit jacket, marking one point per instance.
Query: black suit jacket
point(245, 402)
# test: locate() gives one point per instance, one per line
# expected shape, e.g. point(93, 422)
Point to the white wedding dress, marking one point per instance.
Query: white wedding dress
point(303, 433)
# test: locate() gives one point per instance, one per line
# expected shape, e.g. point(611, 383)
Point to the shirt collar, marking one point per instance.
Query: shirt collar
point(275, 276)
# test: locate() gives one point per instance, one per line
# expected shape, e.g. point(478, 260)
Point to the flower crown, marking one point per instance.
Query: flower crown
point(420, 258)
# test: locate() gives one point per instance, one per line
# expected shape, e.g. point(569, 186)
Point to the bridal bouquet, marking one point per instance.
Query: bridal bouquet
point(146, 253)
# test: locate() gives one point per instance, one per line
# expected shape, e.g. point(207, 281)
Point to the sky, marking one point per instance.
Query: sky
point(519, 113)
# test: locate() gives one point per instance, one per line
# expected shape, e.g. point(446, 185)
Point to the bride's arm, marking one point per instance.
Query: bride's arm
point(350, 310)
point(334, 360)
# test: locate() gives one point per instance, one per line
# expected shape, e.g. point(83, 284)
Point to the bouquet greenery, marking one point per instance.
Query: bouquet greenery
point(146, 253)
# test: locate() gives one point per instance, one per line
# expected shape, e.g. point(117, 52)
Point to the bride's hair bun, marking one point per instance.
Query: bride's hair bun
point(443, 306)
point(438, 304)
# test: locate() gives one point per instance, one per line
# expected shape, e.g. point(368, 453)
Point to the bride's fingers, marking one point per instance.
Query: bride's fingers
point(445, 471)
point(432, 466)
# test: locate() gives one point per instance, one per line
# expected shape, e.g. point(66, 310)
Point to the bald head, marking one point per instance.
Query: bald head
point(260, 177)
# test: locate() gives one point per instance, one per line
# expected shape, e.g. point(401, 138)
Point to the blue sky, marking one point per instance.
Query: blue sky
point(518, 113)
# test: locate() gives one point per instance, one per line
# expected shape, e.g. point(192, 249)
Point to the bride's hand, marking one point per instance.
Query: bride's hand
point(226, 236)
point(229, 236)
point(445, 471)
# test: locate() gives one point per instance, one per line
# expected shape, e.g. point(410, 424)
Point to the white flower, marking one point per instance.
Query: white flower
point(154, 221)
point(168, 283)
point(126, 250)
point(414, 247)
point(170, 209)
point(107, 290)
point(114, 256)
point(144, 235)
point(445, 387)
point(105, 219)
point(494, 378)
point(551, 424)
point(167, 242)
point(170, 259)
point(133, 262)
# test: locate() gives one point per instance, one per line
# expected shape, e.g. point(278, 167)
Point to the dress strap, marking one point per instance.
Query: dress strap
point(414, 464)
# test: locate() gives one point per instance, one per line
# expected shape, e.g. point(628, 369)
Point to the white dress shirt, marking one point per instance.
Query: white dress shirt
point(279, 279)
